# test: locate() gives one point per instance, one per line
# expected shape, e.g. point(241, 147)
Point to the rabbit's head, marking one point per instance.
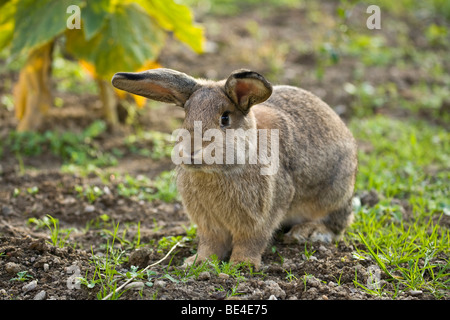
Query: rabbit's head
point(212, 108)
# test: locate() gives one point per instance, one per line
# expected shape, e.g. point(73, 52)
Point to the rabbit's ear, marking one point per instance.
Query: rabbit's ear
point(247, 88)
point(161, 84)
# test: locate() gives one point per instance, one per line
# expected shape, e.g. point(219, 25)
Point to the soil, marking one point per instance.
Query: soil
point(327, 275)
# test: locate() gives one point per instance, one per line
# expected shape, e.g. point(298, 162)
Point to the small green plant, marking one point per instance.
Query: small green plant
point(39, 223)
point(230, 293)
point(105, 273)
point(375, 289)
point(89, 193)
point(163, 187)
point(290, 276)
point(166, 243)
point(308, 253)
point(275, 250)
point(16, 192)
point(58, 236)
point(33, 190)
point(98, 222)
point(153, 144)
point(338, 280)
point(22, 276)
point(305, 279)
point(150, 275)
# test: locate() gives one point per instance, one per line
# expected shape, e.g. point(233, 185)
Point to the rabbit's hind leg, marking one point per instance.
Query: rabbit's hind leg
point(326, 230)
point(311, 231)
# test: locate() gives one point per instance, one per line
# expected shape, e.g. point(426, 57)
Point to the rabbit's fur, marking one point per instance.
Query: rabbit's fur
point(236, 208)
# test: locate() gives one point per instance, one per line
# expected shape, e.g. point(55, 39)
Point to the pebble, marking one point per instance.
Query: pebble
point(139, 257)
point(257, 294)
point(160, 284)
point(7, 210)
point(46, 267)
point(204, 275)
point(273, 288)
point(324, 297)
point(135, 285)
point(272, 297)
point(89, 209)
point(313, 291)
point(224, 276)
point(40, 296)
point(313, 282)
point(415, 292)
point(13, 268)
point(30, 286)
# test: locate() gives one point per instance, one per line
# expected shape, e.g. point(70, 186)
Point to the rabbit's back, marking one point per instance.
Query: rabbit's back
point(316, 149)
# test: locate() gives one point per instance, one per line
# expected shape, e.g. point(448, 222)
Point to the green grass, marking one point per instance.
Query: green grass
point(58, 237)
point(106, 275)
point(75, 148)
point(404, 161)
point(160, 144)
point(163, 187)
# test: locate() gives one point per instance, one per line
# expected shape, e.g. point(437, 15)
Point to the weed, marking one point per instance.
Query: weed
point(338, 280)
point(160, 147)
point(16, 192)
point(275, 250)
point(58, 236)
point(89, 193)
point(78, 149)
point(33, 190)
point(290, 276)
point(372, 289)
point(162, 188)
point(99, 222)
point(22, 276)
point(307, 252)
point(105, 273)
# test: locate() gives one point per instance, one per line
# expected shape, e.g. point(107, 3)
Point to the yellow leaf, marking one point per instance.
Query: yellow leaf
point(32, 94)
point(89, 68)
point(140, 101)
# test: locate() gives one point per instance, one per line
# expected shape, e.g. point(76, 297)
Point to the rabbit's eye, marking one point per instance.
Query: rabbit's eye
point(225, 119)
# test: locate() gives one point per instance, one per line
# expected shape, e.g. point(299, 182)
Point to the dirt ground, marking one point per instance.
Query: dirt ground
point(331, 269)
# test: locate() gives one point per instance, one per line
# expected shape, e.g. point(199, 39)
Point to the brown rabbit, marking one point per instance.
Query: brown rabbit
point(237, 206)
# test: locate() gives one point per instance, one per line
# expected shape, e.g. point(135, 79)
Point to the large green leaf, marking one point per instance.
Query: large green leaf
point(8, 10)
point(94, 15)
point(176, 18)
point(37, 22)
point(127, 39)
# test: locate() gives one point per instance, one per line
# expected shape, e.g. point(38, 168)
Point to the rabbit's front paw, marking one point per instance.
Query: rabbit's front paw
point(310, 231)
point(255, 262)
point(193, 260)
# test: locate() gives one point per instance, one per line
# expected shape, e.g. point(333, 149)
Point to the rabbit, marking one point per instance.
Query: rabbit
point(237, 208)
